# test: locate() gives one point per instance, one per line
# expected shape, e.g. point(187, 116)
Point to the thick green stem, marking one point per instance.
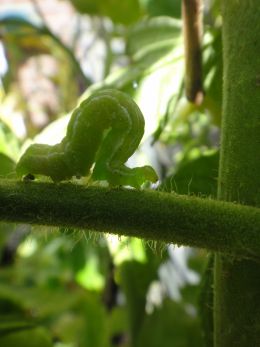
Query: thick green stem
point(182, 220)
point(237, 283)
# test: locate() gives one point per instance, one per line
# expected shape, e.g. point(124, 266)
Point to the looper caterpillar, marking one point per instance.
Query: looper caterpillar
point(105, 129)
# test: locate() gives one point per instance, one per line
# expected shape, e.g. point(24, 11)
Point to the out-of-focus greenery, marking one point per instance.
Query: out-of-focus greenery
point(68, 288)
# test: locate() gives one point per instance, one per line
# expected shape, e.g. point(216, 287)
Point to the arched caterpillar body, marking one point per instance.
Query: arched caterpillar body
point(105, 129)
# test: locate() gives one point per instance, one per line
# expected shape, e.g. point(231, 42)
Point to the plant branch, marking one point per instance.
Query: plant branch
point(183, 220)
point(192, 31)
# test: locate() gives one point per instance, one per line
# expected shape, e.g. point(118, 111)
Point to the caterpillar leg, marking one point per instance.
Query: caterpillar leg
point(123, 175)
point(115, 151)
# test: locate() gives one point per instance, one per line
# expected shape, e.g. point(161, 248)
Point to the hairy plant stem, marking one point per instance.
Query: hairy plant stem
point(237, 282)
point(183, 220)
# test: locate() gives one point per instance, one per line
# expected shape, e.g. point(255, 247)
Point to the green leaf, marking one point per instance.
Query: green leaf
point(198, 176)
point(95, 331)
point(87, 6)
point(117, 321)
point(35, 337)
point(164, 7)
point(123, 12)
point(213, 74)
point(135, 279)
point(9, 144)
point(171, 325)
point(7, 166)
point(153, 35)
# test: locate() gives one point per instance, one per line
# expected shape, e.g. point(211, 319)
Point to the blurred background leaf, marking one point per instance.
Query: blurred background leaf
point(124, 12)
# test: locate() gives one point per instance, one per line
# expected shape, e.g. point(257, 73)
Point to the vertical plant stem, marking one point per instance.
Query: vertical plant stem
point(192, 31)
point(237, 282)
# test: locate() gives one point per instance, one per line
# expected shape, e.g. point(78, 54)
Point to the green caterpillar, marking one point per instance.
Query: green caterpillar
point(105, 129)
